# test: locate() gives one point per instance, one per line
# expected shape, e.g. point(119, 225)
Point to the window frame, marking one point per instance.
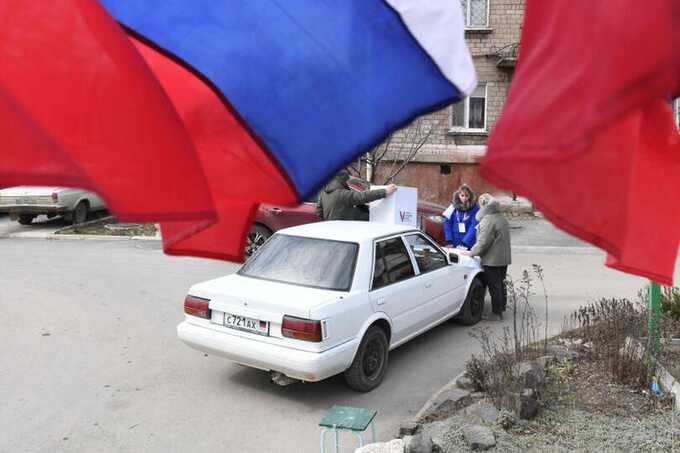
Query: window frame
point(466, 114)
point(414, 265)
point(466, 18)
point(432, 244)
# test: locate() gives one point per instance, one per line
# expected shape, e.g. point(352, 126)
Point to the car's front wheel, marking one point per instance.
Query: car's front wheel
point(473, 307)
point(257, 236)
point(370, 362)
point(26, 219)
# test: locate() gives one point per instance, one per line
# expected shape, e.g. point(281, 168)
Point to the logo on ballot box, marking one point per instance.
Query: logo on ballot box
point(406, 216)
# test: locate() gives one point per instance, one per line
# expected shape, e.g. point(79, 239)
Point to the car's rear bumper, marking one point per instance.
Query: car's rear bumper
point(303, 365)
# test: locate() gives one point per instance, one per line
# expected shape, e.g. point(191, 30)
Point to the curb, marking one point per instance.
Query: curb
point(549, 249)
point(91, 222)
point(81, 237)
point(429, 403)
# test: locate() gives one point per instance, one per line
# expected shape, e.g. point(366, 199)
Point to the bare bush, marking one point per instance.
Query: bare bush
point(538, 270)
point(670, 302)
point(524, 322)
point(494, 370)
point(670, 309)
point(608, 325)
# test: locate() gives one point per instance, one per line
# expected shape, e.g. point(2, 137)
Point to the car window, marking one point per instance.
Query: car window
point(428, 257)
point(392, 263)
point(304, 261)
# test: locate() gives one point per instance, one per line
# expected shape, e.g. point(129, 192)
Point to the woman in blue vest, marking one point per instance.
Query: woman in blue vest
point(460, 221)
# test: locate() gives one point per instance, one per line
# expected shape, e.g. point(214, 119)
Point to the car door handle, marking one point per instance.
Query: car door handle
point(274, 210)
point(428, 285)
point(381, 301)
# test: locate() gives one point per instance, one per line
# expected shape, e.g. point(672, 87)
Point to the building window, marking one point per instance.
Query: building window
point(470, 114)
point(476, 13)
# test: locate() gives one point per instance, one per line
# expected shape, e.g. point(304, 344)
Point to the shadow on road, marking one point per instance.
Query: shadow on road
point(407, 363)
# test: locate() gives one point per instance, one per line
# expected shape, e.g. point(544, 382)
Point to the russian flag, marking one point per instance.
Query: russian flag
point(277, 96)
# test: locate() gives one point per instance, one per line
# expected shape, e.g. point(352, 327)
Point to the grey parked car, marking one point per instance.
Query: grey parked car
point(24, 203)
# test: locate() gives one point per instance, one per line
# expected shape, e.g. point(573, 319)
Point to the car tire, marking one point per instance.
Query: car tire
point(80, 213)
point(370, 362)
point(473, 307)
point(257, 236)
point(25, 219)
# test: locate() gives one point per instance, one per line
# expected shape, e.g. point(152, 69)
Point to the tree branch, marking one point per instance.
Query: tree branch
point(415, 147)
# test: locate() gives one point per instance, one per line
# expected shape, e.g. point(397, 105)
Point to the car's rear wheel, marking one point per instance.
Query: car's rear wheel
point(26, 219)
point(370, 362)
point(257, 236)
point(80, 212)
point(473, 307)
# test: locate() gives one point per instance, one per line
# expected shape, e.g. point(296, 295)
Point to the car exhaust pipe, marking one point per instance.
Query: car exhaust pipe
point(278, 378)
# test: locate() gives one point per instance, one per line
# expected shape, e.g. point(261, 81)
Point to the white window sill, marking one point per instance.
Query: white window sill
point(478, 30)
point(473, 132)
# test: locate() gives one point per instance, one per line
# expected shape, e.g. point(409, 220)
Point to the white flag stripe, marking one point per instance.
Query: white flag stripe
point(439, 28)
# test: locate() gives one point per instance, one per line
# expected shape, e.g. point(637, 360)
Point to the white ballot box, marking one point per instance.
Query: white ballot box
point(401, 207)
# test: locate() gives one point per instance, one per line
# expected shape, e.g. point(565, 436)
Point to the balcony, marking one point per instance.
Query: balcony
point(506, 57)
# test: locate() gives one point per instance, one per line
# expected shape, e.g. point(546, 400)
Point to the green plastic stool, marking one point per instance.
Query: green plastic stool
point(345, 418)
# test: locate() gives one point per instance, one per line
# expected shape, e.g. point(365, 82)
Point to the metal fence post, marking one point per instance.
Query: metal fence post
point(655, 317)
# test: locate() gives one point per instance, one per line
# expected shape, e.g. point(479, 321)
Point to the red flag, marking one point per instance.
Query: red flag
point(71, 78)
point(239, 172)
point(587, 133)
point(24, 142)
point(650, 245)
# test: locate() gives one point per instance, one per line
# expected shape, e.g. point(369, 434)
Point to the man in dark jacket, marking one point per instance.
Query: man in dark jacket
point(339, 202)
point(493, 247)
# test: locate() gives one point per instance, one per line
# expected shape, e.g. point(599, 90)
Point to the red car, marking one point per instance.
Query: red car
point(270, 218)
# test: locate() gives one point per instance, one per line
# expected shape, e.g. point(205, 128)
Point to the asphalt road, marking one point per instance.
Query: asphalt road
point(90, 359)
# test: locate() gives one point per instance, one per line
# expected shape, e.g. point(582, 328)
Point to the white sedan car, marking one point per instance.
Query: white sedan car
point(332, 297)
point(24, 203)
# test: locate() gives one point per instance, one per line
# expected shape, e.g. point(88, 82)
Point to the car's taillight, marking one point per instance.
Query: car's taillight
point(197, 306)
point(55, 197)
point(301, 329)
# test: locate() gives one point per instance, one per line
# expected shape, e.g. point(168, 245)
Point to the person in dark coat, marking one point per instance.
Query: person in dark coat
point(338, 202)
point(493, 248)
point(460, 223)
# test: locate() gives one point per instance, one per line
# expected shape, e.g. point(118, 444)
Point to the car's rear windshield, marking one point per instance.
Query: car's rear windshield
point(318, 263)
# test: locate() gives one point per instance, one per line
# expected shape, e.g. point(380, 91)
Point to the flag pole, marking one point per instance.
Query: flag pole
point(655, 317)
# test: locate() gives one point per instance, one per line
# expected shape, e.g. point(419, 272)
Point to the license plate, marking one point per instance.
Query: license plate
point(246, 324)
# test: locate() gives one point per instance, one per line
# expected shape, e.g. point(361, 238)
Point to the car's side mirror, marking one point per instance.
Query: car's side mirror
point(453, 257)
